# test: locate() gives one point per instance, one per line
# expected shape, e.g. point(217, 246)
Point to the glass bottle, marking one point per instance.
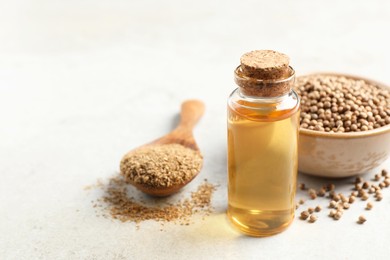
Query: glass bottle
point(263, 125)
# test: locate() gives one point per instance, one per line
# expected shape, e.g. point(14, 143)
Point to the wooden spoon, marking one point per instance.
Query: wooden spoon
point(191, 112)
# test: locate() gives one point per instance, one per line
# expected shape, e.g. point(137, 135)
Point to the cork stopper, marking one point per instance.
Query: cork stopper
point(265, 64)
point(264, 73)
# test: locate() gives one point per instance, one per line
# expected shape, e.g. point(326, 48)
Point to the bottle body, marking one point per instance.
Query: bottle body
point(262, 162)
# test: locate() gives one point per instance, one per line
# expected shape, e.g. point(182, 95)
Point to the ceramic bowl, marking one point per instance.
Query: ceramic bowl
point(338, 155)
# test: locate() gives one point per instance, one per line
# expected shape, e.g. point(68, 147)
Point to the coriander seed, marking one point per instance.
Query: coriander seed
point(343, 198)
point(361, 219)
point(321, 192)
point(369, 205)
point(338, 215)
point(313, 218)
point(331, 187)
point(358, 180)
point(312, 194)
point(358, 187)
point(345, 104)
point(304, 215)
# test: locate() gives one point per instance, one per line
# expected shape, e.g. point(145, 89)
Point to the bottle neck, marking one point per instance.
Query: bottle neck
point(270, 89)
point(261, 99)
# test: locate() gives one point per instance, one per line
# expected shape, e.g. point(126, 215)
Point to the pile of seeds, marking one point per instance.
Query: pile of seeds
point(341, 104)
point(120, 206)
point(340, 202)
point(162, 165)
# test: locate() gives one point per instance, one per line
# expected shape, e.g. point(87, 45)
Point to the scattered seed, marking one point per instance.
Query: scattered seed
point(339, 202)
point(313, 218)
point(332, 213)
point(312, 194)
point(343, 198)
point(338, 215)
point(331, 187)
point(358, 187)
point(369, 205)
point(358, 180)
point(302, 186)
point(361, 219)
point(332, 204)
point(321, 192)
point(304, 215)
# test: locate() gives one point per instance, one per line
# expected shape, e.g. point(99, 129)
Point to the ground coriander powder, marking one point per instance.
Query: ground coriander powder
point(161, 165)
point(119, 205)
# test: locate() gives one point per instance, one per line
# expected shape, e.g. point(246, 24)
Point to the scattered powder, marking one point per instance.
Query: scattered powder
point(162, 165)
point(124, 208)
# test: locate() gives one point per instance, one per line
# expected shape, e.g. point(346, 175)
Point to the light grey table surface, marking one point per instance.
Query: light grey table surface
point(82, 82)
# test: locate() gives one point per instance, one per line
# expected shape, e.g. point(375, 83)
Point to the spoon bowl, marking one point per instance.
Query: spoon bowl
point(191, 112)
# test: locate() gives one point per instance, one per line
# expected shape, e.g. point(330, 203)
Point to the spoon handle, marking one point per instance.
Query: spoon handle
point(191, 112)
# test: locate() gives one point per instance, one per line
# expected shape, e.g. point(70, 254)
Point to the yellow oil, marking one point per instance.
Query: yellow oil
point(262, 166)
